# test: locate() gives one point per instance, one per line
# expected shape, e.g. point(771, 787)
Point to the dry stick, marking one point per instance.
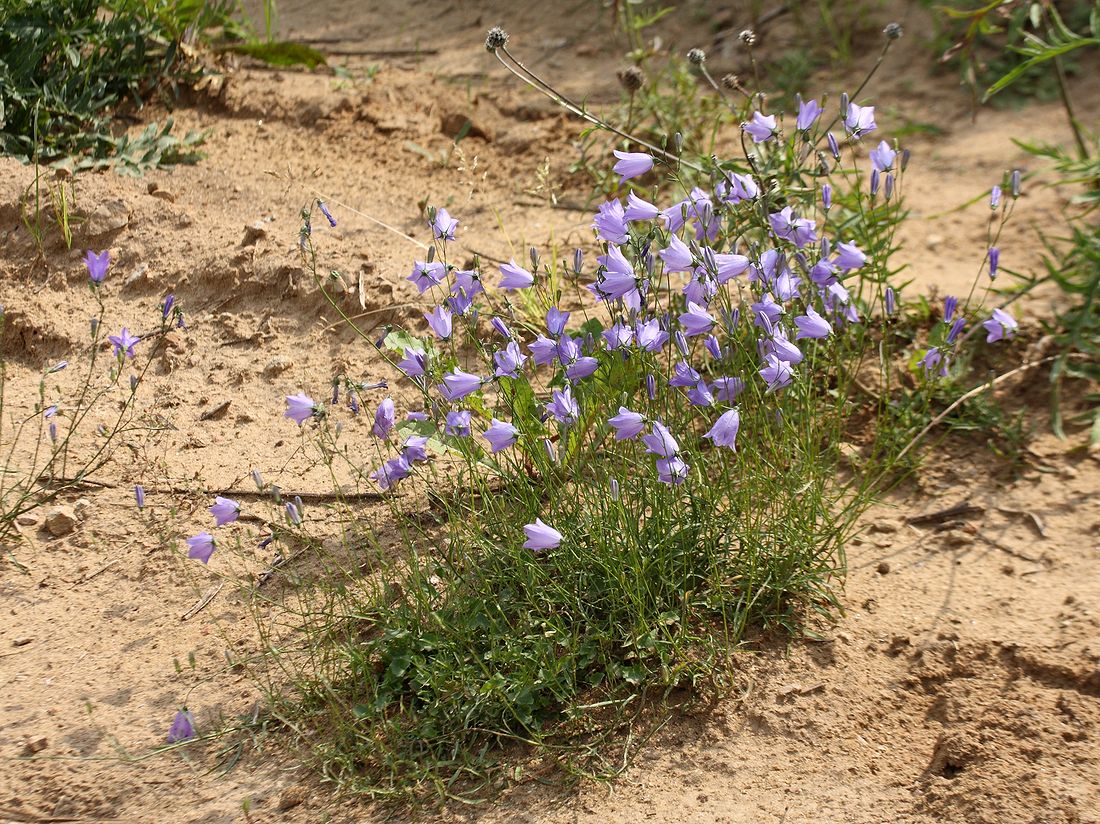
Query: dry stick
point(960, 510)
point(239, 493)
point(203, 604)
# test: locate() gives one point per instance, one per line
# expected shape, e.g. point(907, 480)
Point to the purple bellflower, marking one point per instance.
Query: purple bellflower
point(458, 384)
point(672, 470)
point(427, 275)
point(760, 128)
point(776, 373)
point(808, 113)
point(139, 496)
point(610, 222)
point(443, 227)
point(225, 510)
point(631, 165)
point(812, 325)
point(300, 407)
point(458, 424)
point(201, 547)
point(724, 431)
point(509, 360)
point(555, 321)
point(860, 120)
point(414, 364)
point(563, 406)
point(182, 728)
point(660, 441)
point(384, 418)
point(515, 276)
point(883, 157)
point(97, 265)
point(540, 536)
point(1002, 326)
point(439, 319)
point(500, 435)
point(638, 209)
point(124, 343)
point(696, 320)
point(627, 424)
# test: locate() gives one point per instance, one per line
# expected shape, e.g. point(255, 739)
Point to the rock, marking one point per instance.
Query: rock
point(454, 124)
point(81, 507)
point(291, 797)
point(254, 232)
point(109, 216)
point(21, 641)
point(163, 194)
point(276, 366)
point(27, 519)
point(883, 568)
point(932, 241)
point(138, 276)
point(35, 745)
point(60, 520)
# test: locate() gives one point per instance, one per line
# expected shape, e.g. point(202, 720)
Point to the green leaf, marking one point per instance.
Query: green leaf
point(282, 53)
point(399, 340)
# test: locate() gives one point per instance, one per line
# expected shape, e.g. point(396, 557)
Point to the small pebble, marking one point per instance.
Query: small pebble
point(883, 567)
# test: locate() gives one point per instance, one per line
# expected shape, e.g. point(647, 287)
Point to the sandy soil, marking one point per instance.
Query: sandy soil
point(962, 685)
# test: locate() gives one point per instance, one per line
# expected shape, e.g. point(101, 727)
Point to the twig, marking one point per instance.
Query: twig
point(233, 491)
point(1034, 519)
point(203, 604)
point(960, 510)
point(103, 568)
point(1008, 550)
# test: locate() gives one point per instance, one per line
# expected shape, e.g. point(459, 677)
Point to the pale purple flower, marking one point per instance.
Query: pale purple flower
point(700, 395)
point(1002, 326)
point(726, 390)
point(224, 510)
point(677, 256)
point(540, 536)
point(501, 327)
point(548, 447)
point(555, 321)
point(650, 336)
point(458, 424)
point(414, 363)
point(543, 350)
point(201, 547)
point(97, 265)
point(427, 275)
point(563, 406)
point(779, 345)
point(468, 281)
point(328, 215)
point(416, 416)
point(443, 227)
point(509, 360)
point(724, 431)
point(736, 188)
point(500, 435)
point(860, 120)
point(610, 222)
point(392, 471)
point(767, 311)
point(638, 209)
point(761, 127)
point(776, 373)
point(627, 424)
point(808, 113)
point(139, 496)
point(384, 418)
point(660, 441)
point(458, 384)
point(683, 375)
point(124, 343)
point(812, 325)
point(618, 336)
point(730, 266)
point(672, 470)
point(300, 407)
point(414, 448)
point(882, 157)
point(440, 321)
point(931, 359)
point(786, 285)
point(631, 165)
point(712, 345)
point(581, 368)
point(788, 226)
point(956, 329)
point(651, 387)
point(849, 256)
point(875, 178)
point(515, 276)
point(696, 320)
point(182, 728)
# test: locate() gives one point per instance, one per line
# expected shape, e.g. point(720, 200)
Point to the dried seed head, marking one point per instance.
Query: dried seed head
point(631, 78)
point(748, 37)
point(697, 57)
point(496, 39)
point(731, 82)
point(893, 31)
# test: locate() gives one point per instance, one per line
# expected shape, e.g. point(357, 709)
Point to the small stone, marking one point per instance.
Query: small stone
point(81, 507)
point(884, 526)
point(138, 276)
point(27, 519)
point(21, 641)
point(254, 232)
point(291, 797)
point(60, 520)
point(35, 745)
point(883, 568)
point(276, 366)
point(932, 241)
point(109, 216)
point(455, 124)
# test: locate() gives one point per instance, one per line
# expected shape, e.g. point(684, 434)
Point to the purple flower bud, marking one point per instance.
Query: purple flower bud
point(578, 261)
point(956, 328)
point(651, 387)
point(53, 432)
point(501, 328)
point(614, 489)
point(133, 383)
point(834, 148)
point(950, 304)
point(57, 367)
point(681, 343)
point(889, 188)
point(139, 496)
point(550, 453)
point(874, 182)
point(384, 418)
point(713, 347)
point(827, 196)
point(93, 326)
point(293, 514)
point(1014, 183)
point(257, 479)
point(182, 728)
point(995, 198)
point(994, 261)
point(166, 307)
point(890, 301)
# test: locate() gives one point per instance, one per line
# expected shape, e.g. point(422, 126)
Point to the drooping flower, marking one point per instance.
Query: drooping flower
point(683, 375)
point(677, 256)
point(225, 510)
point(849, 256)
point(427, 275)
point(556, 321)
point(443, 227)
point(618, 336)
point(201, 547)
point(730, 266)
point(776, 373)
point(501, 327)
point(726, 390)
point(767, 311)
point(696, 320)
point(124, 343)
point(414, 449)
point(882, 157)
point(458, 384)
point(660, 441)
point(440, 321)
point(700, 395)
point(808, 113)
point(384, 418)
point(631, 165)
point(581, 368)
point(563, 406)
point(458, 424)
point(543, 350)
point(931, 359)
point(500, 435)
point(760, 128)
point(650, 336)
point(515, 276)
point(812, 325)
point(610, 222)
point(736, 188)
point(627, 424)
point(724, 431)
point(860, 120)
point(540, 536)
point(469, 282)
point(389, 473)
point(672, 470)
point(779, 345)
point(414, 363)
point(509, 360)
point(300, 408)
point(97, 265)
point(1002, 326)
point(182, 728)
point(638, 209)
point(788, 226)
